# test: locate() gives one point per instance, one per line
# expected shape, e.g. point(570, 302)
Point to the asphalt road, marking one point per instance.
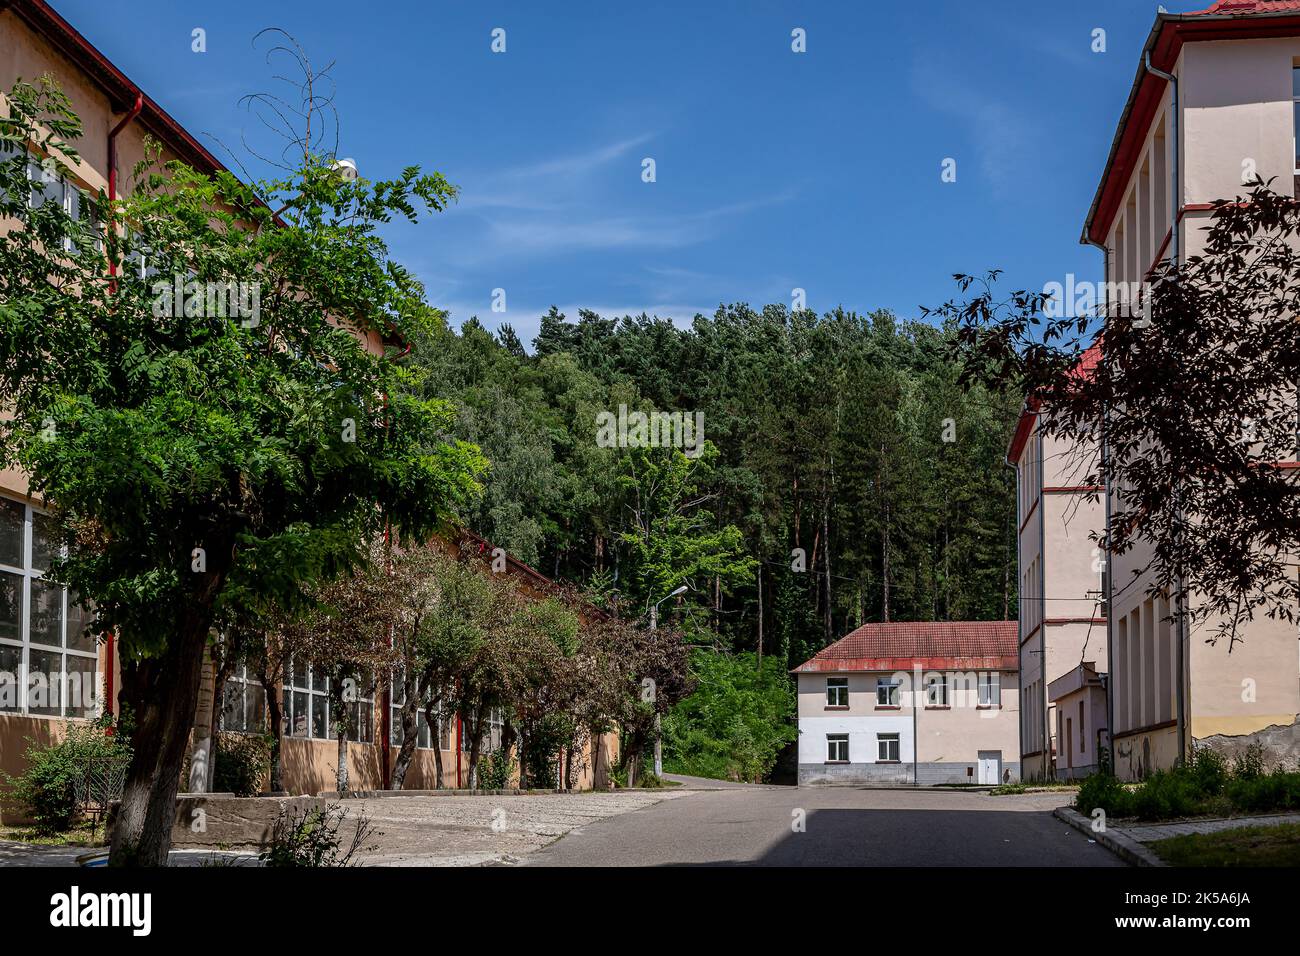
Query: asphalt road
point(841, 827)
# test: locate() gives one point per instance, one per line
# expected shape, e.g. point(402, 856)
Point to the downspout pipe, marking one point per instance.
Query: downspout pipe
point(1020, 633)
point(1180, 614)
point(110, 642)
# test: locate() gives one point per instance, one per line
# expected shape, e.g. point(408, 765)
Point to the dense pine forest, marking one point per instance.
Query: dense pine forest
point(843, 435)
point(847, 477)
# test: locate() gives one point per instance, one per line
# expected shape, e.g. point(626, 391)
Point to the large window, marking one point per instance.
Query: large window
point(306, 702)
point(48, 661)
point(244, 705)
point(887, 748)
point(837, 748)
point(425, 740)
point(888, 691)
point(837, 692)
point(1295, 114)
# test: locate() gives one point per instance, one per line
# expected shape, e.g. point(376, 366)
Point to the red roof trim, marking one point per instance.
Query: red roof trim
point(1240, 20)
point(42, 18)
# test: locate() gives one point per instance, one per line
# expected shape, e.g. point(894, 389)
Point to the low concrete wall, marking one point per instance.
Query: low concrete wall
point(224, 820)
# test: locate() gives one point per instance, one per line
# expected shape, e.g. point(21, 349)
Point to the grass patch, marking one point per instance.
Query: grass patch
point(79, 835)
point(1245, 846)
point(1006, 789)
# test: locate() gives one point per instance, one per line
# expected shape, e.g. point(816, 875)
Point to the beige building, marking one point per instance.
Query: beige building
point(49, 673)
point(1062, 611)
point(912, 704)
point(1215, 101)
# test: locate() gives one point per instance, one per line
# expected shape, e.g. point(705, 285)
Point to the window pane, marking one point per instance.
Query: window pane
point(1296, 129)
point(45, 544)
point(82, 687)
point(300, 724)
point(300, 678)
point(79, 638)
point(426, 736)
point(319, 717)
point(46, 623)
point(44, 678)
point(232, 710)
point(10, 659)
point(11, 606)
point(1295, 81)
point(11, 533)
point(254, 708)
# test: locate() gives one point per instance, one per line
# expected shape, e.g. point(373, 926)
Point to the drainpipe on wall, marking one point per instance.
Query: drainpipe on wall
point(1176, 203)
point(110, 643)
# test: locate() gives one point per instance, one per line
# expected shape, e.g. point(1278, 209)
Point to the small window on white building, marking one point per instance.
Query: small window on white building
point(936, 690)
point(837, 692)
point(837, 748)
point(888, 691)
point(990, 689)
point(887, 748)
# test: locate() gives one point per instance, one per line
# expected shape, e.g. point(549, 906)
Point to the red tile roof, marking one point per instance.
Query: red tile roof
point(1083, 369)
point(933, 645)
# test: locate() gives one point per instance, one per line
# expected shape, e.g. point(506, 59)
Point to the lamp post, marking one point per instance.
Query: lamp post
point(654, 626)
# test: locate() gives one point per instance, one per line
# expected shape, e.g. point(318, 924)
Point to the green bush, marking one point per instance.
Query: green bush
point(1266, 793)
point(495, 770)
point(1249, 763)
point(311, 839)
point(1209, 771)
point(242, 762)
point(89, 761)
point(1105, 791)
point(1165, 794)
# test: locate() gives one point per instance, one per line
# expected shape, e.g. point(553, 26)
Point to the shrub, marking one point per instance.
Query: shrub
point(311, 839)
point(88, 763)
point(1266, 793)
point(1209, 771)
point(1105, 791)
point(242, 763)
point(1165, 794)
point(1249, 763)
point(495, 770)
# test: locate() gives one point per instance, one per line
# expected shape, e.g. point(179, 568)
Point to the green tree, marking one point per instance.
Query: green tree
point(198, 458)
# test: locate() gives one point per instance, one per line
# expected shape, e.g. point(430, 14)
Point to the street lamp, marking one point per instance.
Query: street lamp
point(654, 626)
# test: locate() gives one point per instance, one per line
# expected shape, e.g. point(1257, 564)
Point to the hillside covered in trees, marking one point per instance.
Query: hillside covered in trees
point(847, 477)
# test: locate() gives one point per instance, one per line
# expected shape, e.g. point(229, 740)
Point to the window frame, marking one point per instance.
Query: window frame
point(834, 742)
point(883, 742)
point(937, 701)
point(28, 576)
point(894, 692)
point(840, 685)
point(248, 686)
point(990, 681)
point(292, 689)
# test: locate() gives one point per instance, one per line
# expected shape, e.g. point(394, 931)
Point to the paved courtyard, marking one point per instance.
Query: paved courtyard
point(721, 825)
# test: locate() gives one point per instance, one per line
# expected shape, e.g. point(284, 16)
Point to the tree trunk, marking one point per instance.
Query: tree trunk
point(410, 730)
point(162, 694)
point(435, 730)
point(475, 745)
point(273, 706)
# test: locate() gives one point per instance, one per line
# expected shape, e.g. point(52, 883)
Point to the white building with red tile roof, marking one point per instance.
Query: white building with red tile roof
point(915, 703)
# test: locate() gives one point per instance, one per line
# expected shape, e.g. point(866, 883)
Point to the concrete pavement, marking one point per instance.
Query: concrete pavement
point(840, 827)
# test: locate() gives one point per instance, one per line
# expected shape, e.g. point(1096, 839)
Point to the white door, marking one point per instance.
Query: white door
point(990, 766)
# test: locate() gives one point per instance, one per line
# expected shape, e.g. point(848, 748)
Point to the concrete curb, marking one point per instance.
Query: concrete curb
point(1124, 847)
point(449, 792)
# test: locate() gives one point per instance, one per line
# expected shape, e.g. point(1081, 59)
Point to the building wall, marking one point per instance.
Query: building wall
point(944, 741)
point(1235, 119)
point(1060, 584)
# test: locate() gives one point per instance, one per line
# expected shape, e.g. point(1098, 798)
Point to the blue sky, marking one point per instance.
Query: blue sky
point(774, 169)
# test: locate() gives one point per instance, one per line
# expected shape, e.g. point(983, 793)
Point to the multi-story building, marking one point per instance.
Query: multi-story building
point(912, 704)
point(1215, 101)
point(50, 673)
point(1062, 611)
